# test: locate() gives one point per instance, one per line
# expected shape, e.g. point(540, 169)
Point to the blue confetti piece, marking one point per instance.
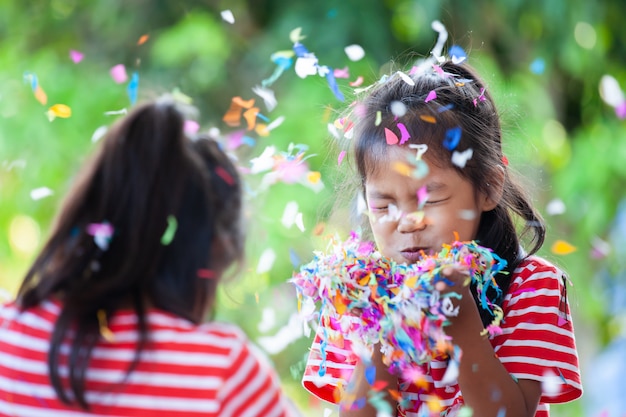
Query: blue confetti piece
point(538, 66)
point(247, 140)
point(264, 118)
point(370, 374)
point(452, 139)
point(445, 108)
point(132, 88)
point(358, 404)
point(332, 83)
point(282, 61)
point(300, 50)
point(294, 258)
point(457, 54)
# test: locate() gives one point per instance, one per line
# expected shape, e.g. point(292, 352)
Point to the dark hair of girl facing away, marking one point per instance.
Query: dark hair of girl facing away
point(145, 175)
point(462, 101)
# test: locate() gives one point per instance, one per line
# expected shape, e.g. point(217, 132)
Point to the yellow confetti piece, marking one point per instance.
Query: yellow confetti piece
point(314, 177)
point(434, 404)
point(262, 130)
point(561, 247)
point(60, 110)
point(339, 304)
point(428, 119)
point(379, 117)
point(40, 95)
point(402, 168)
point(105, 332)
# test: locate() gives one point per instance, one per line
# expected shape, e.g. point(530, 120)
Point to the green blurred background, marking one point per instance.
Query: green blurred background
point(542, 60)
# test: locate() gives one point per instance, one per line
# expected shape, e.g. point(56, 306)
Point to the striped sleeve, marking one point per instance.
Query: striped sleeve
point(537, 340)
point(251, 387)
point(328, 366)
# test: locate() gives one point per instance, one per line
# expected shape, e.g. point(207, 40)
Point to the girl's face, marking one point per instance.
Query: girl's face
point(401, 232)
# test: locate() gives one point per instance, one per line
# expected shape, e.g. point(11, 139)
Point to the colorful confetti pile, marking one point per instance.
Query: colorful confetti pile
point(368, 299)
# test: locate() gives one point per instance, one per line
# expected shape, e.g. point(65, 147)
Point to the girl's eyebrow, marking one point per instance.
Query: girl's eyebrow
point(435, 186)
point(378, 194)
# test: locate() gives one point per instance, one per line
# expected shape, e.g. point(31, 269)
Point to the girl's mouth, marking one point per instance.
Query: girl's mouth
point(413, 254)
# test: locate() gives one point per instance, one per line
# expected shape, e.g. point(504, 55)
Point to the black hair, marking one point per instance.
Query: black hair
point(146, 180)
point(462, 102)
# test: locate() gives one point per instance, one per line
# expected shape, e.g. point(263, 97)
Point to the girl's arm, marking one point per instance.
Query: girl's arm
point(359, 387)
point(486, 385)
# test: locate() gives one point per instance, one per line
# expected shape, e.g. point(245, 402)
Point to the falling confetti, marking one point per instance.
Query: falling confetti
point(341, 156)
point(390, 137)
point(460, 158)
point(452, 139)
point(227, 16)
point(191, 127)
point(404, 133)
point(431, 96)
point(102, 234)
point(266, 261)
point(398, 108)
point(118, 73)
point(555, 207)
point(561, 247)
point(143, 39)
point(457, 54)
point(76, 56)
point(59, 110)
point(132, 88)
point(39, 193)
point(170, 231)
point(354, 52)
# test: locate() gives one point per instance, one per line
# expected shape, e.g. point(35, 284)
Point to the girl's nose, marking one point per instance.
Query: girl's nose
point(412, 222)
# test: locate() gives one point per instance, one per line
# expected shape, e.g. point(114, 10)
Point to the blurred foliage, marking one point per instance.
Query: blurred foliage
point(542, 60)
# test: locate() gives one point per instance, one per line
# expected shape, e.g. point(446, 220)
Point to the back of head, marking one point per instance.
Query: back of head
point(151, 216)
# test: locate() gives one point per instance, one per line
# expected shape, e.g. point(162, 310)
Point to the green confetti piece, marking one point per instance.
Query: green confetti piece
point(465, 411)
point(168, 236)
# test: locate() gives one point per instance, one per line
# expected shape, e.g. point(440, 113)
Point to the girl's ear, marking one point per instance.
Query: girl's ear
point(495, 188)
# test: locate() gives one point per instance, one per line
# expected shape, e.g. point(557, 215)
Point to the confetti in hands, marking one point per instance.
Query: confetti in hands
point(366, 298)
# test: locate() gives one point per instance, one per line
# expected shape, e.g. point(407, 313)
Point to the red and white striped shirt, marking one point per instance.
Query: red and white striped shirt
point(186, 369)
point(537, 343)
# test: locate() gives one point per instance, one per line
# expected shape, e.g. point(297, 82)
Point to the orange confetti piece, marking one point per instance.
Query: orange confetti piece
point(40, 95)
point(395, 394)
point(250, 116)
point(143, 39)
point(428, 118)
point(319, 229)
point(233, 115)
point(340, 306)
point(561, 247)
point(402, 168)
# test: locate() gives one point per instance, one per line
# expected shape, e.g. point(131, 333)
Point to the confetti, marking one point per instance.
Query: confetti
point(191, 127)
point(551, 384)
point(431, 96)
point(422, 197)
point(428, 118)
point(359, 80)
point(306, 66)
point(205, 273)
point(105, 332)
point(341, 72)
point(76, 56)
point(390, 137)
point(332, 83)
point(452, 139)
point(224, 175)
point(341, 156)
point(457, 54)
point(354, 52)
point(538, 66)
point(289, 214)
point(395, 305)
point(613, 95)
point(170, 231)
point(59, 110)
point(132, 88)
point(460, 158)
point(398, 108)
point(143, 39)
point(41, 192)
point(561, 247)
point(555, 207)
point(378, 118)
point(118, 73)
point(268, 320)
point(404, 133)
point(102, 234)
point(267, 95)
point(227, 16)
point(266, 261)
point(600, 248)
point(296, 36)
point(406, 78)
point(116, 112)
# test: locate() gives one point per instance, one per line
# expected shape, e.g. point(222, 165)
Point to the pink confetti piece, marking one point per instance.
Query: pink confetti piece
point(342, 155)
point(561, 321)
point(390, 137)
point(523, 290)
point(341, 72)
point(404, 133)
point(205, 273)
point(422, 197)
point(431, 96)
point(357, 82)
point(118, 73)
point(76, 56)
point(191, 127)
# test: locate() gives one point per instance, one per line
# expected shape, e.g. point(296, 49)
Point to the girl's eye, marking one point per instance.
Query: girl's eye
point(378, 209)
point(433, 201)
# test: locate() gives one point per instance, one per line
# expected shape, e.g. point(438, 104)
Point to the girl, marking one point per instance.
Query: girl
point(442, 124)
point(108, 320)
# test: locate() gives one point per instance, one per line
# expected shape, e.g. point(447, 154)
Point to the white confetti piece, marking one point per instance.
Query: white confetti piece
point(284, 337)
point(398, 108)
point(306, 66)
point(268, 96)
point(266, 261)
point(460, 158)
point(275, 123)
point(300, 222)
point(354, 52)
point(406, 78)
point(41, 192)
point(555, 207)
point(551, 384)
point(268, 320)
point(289, 214)
point(610, 91)
point(99, 133)
point(116, 112)
point(228, 16)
